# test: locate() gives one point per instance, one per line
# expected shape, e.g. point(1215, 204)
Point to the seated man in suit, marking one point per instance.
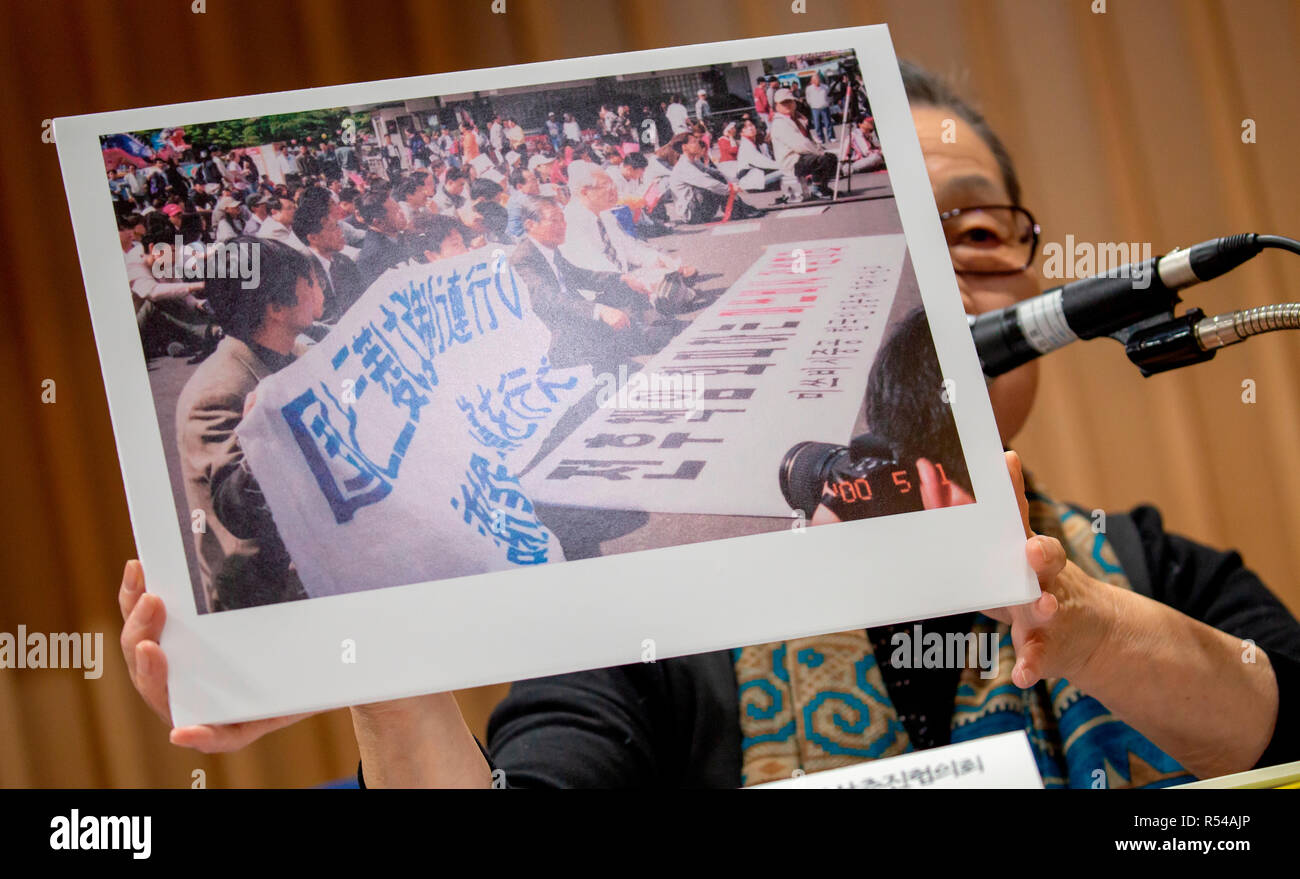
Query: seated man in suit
point(242, 560)
point(317, 224)
point(382, 248)
point(278, 225)
point(603, 327)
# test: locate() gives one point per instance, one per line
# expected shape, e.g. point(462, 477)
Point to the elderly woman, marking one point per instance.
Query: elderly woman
point(1139, 666)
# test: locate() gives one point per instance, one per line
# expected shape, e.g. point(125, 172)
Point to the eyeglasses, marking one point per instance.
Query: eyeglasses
point(990, 239)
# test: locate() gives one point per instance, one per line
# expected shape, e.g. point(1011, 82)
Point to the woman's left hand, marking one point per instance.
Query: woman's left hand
point(1060, 633)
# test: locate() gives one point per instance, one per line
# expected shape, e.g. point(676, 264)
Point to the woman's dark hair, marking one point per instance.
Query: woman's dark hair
point(241, 311)
point(925, 89)
point(905, 405)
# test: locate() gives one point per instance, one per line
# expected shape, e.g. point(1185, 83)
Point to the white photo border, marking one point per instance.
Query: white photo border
point(595, 613)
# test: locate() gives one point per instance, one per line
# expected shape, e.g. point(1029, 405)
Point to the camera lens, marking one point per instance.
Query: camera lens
point(804, 471)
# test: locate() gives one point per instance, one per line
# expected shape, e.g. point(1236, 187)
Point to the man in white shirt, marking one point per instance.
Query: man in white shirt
point(277, 225)
point(797, 153)
point(818, 97)
point(596, 241)
point(678, 116)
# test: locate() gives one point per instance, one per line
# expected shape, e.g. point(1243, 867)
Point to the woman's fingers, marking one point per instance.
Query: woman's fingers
point(1047, 557)
point(1030, 657)
point(145, 623)
point(1018, 483)
point(150, 678)
point(132, 588)
point(931, 496)
point(230, 736)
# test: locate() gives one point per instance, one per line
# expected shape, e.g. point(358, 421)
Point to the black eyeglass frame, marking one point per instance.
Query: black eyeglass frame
point(1033, 225)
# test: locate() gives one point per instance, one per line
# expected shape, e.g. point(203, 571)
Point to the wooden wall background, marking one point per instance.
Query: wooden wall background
point(1126, 127)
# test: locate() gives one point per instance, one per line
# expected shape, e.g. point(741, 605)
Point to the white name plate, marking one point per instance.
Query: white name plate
point(1001, 761)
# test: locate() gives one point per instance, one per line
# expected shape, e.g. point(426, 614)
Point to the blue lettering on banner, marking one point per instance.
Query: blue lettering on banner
point(504, 417)
point(320, 440)
point(487, 493)
point(396, 353)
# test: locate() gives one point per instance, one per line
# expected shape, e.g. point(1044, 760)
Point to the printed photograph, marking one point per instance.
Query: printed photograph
point(459, 334)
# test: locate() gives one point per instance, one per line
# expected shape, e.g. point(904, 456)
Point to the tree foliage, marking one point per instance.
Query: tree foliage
point(235, 133)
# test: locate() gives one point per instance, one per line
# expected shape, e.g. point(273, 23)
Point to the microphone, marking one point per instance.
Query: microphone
point(1112, 304)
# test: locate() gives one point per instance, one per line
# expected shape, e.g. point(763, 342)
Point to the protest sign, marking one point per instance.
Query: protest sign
point(388, 453)
point(781, 357)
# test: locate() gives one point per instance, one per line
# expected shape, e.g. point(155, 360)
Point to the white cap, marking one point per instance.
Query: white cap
point(480, 163)
point(494, 175)
point(538, 161)
point(782, 95)
point(512, 157)
point(701, 92)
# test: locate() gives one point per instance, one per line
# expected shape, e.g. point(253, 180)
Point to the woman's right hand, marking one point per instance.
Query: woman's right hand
point(143, 617)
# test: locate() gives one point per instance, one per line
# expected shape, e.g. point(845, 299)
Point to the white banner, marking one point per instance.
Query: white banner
point(387, 454)
point(783, 356)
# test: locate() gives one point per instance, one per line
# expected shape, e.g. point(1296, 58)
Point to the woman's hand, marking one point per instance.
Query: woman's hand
point(1181, 683)
point(1059, 633)
point(143, 617)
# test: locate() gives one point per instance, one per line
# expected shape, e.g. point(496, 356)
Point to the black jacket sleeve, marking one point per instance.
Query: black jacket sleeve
point(671, 724)
point(1216, 588)
point(587, 729)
